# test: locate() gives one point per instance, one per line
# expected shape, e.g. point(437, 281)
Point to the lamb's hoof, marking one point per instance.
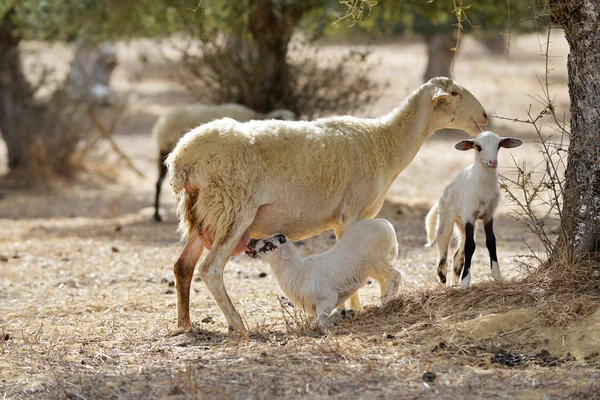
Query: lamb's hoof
point(157, 218)
point(346, 312)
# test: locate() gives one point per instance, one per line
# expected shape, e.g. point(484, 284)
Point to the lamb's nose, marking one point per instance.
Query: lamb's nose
point(485, 114)
point(493, 163)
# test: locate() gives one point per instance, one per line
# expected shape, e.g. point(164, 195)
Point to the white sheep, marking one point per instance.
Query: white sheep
point(320, 283)
point(474, 194)
point(237, 181)
point(172, 125)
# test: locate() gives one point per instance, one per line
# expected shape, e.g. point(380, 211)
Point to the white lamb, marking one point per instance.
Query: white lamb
point(320, 283)
point(237, 181)
point(172, 125)
point(474, 194)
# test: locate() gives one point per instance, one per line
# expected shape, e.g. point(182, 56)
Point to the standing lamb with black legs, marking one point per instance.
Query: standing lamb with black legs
point(240, 180)
point(474, 194)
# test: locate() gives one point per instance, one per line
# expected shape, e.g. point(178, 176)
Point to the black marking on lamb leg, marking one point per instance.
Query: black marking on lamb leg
point(469, 249)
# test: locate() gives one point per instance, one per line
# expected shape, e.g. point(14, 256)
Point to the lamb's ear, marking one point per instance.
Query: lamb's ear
point(510, 142)
point(439, 95)
point(464, 145)
point(285, 252)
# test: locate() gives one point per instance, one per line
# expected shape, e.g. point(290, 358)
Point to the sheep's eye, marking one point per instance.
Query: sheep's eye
point(478, 147)
point(454, 93)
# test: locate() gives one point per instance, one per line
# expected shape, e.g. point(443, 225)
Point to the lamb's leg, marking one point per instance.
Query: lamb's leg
point(162, 172)
point(354, 300)
point(393, 285)
point(184, 271)
point(459, 256)
point(211, 271)
point(490, 242)
point(465, 279)
point(442, 241)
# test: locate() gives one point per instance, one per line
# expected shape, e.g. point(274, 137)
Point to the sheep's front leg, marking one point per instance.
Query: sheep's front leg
point(184, 271)
point(211, 272)
point(490, 242)
point(354, 300)
point(442, 241)
point(465, 279)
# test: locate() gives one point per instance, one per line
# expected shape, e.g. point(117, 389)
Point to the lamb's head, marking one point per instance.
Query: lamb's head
point(487, 145)
point(455, 107)
point(284, 115)
point(271, 248)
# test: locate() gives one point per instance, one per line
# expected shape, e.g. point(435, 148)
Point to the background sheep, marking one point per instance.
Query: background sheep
point(320, 283)
point(474, 194)
point(172, 125)
point(299, 178)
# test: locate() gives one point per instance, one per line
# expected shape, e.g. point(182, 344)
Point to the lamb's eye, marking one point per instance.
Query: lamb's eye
point(478, 147)
point(454, 93)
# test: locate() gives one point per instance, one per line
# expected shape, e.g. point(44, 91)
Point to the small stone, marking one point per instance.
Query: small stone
point(198, 279)
point(208, 320)
point(172, 284)
point(164, 280)
point(7, 336)
point(390, 336)
point(82, 362)
point(169, 292)
point(3, 257)
point(118, 228)
point(114, 249)
point(262, 275)
point(429, 377)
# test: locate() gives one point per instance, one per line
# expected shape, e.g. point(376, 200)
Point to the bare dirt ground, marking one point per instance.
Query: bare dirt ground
point(87, 303)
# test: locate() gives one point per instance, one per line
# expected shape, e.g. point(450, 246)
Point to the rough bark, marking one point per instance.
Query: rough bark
point(581, 206)
point(439, 55)
point(16, 98)
point(272, 31)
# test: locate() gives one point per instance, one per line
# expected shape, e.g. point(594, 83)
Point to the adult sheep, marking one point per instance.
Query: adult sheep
point(172, 125)
point(240, 180)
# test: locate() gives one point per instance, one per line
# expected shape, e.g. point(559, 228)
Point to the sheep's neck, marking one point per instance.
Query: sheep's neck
point(405, 129)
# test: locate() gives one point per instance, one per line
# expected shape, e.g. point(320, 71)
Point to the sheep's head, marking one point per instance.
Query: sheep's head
point(455, 107)
point(270, 248)
point(487, 145)
point(284, 115)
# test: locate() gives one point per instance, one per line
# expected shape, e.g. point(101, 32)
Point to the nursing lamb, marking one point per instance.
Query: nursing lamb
point(320, 283)
point(240, 180)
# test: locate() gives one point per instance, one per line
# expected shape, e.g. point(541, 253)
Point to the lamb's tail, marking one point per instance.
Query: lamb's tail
point(431, 224)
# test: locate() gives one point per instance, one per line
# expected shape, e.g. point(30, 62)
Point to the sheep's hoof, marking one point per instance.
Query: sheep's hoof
point(180, 331)
point(157, 218)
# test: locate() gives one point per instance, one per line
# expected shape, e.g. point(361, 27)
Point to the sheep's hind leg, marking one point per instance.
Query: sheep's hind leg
point(393, 285)
point(211, 271)
point(442, 241)
point(162, 172)
point(490, 242)
point(184, 271)
point(458, 261)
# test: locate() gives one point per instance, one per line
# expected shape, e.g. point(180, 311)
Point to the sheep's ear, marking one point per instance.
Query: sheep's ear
point(439, 95)
point(285, 252)
point(464, 145)
point(509, 142)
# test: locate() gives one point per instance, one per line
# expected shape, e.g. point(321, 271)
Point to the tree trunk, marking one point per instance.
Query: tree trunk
point(16, 98)
point(271, 30)
point(439, 55)
point(581, 205)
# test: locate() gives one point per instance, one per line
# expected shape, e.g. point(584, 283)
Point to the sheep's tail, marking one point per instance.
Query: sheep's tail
point(431, 224)
point(186, 199)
